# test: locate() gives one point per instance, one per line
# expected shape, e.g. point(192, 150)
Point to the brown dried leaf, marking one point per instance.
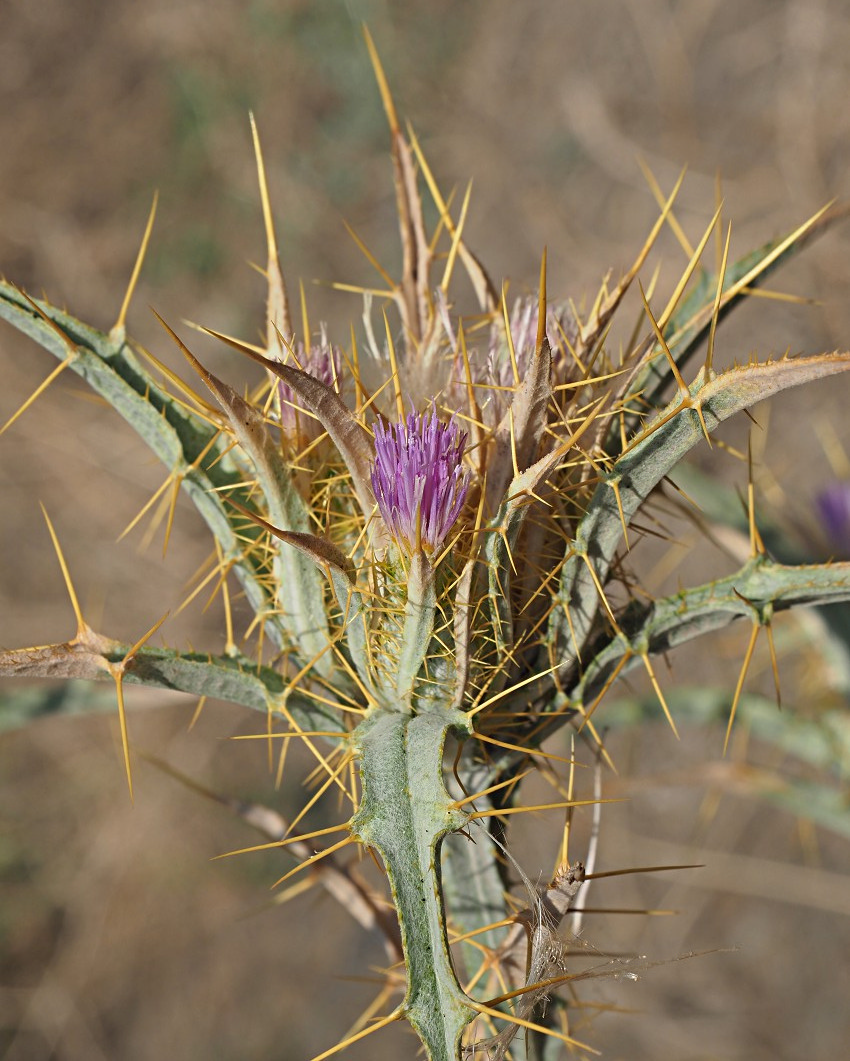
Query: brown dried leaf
point(86, 657)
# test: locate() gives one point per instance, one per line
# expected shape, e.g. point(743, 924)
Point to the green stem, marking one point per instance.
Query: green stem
point(405, 813)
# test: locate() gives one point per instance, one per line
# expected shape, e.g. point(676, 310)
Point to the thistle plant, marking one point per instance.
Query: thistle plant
point(432, 528)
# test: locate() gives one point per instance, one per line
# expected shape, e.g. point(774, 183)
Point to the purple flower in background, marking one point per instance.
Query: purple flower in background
point(833, 507)
point(491, 370)
point(322, 361)
point(418, 479)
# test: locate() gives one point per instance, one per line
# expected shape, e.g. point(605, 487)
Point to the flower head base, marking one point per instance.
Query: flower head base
point(418, 479)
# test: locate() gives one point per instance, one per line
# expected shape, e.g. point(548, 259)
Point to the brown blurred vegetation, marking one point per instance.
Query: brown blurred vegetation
point(117, 938)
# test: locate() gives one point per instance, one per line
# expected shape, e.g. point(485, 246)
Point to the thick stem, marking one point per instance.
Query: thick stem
point(405, 813)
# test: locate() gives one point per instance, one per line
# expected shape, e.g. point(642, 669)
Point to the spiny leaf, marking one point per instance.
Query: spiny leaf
point(649, 457)
point(322, 552)
point(185, 442)
point(301, 601)
point(691, 322)
point(342, 577)
point(235, 679)
point(759, 587)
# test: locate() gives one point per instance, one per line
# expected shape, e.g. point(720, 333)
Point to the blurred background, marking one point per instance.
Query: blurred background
point(118, 938)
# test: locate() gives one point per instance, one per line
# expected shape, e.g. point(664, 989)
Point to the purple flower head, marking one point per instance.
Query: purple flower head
point(418, 479)
point(833, 507)
point(491, 369)
point(322, 361)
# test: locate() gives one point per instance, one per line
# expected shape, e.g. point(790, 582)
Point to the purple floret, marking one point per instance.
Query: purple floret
point(322, 361)
point(418, 479)
point(833, 506)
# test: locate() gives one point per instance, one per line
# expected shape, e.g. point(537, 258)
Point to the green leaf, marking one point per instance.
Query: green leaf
point(186, 443)
point(473, 885)
point(759, 589)
point(235, 679)
point(689, 326)
point(722, 505)
point(300, 586)
point(652, 455)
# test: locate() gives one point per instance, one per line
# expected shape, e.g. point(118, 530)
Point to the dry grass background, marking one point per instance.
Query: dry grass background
point(119, 940)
